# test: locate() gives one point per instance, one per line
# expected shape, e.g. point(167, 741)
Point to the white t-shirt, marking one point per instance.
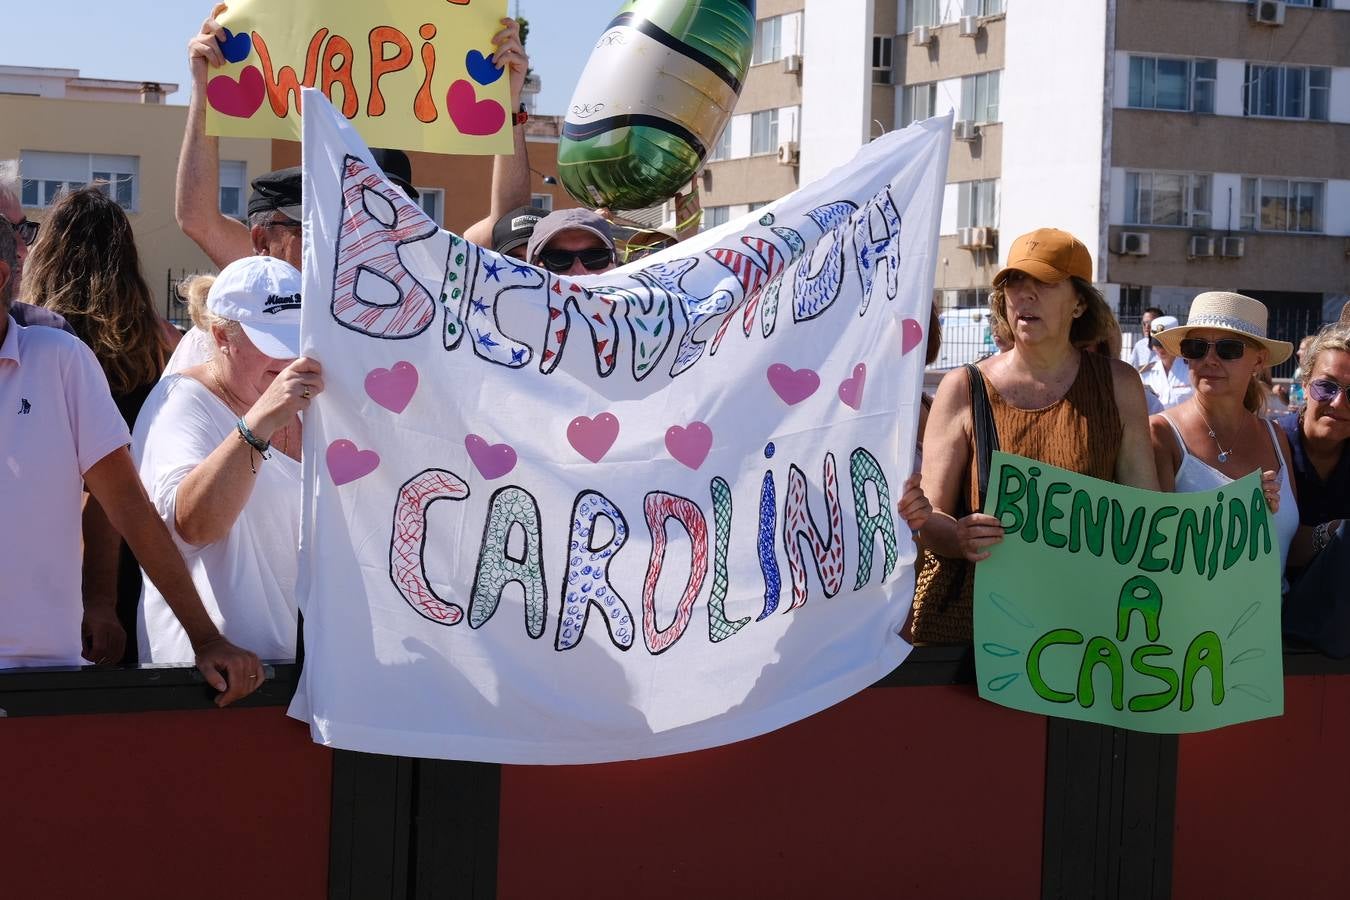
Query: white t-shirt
point(195, 348)
point(246, 579)
point(58, 421)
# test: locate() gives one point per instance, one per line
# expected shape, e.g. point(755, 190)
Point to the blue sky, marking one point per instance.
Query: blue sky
point(145, 40)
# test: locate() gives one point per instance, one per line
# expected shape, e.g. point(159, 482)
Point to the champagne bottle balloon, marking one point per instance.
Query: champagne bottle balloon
point(654, 98)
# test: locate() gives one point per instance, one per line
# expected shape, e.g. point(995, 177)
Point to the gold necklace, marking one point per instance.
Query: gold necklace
point(233, 402)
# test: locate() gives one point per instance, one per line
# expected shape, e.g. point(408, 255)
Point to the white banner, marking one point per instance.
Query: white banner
point(638, 513)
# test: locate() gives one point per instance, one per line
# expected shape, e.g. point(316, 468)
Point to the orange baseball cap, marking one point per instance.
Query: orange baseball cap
point(1049, 255)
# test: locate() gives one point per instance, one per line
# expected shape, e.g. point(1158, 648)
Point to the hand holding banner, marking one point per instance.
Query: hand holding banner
point(1156, 612)
point(572, 520)
point(409, 74)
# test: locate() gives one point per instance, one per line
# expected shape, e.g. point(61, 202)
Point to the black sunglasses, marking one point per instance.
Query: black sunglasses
point(593, 258)
point(26, 230)
point(1324, 390)
point(1226, 348)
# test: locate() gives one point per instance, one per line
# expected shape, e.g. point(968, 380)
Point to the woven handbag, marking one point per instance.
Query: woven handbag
point(944, 587)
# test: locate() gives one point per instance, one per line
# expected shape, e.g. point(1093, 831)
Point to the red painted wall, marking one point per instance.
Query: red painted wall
point(1263, 809)
point(210, 804)
point(919, 792)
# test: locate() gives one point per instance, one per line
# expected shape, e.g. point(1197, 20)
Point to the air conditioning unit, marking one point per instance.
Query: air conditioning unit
point(1132, 243)
point(789, 154)
point(965, 130)
point(970, 26)
point(1268, 12)
point(1201, 245)
point(974, 238)
point(1232, 247)
point(792, 63)
point(922, 35)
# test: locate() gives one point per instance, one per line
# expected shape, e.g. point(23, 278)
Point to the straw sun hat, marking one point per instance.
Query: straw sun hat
point(1226, 311)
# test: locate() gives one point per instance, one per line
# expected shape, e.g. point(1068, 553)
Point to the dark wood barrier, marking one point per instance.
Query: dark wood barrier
point(129, 783)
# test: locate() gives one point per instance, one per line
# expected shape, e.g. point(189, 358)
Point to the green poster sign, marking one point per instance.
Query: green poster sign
point(1156, 612)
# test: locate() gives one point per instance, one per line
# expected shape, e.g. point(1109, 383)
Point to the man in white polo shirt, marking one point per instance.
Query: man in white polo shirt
point(59, 430)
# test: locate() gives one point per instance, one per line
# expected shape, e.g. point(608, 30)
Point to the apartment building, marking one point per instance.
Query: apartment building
point(756, 161)
point(1229, 163)
point(1192, 144)
point(69, 131)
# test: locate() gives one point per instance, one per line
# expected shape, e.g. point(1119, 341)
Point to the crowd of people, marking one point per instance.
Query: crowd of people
point(1191, 410)
point(140, 450)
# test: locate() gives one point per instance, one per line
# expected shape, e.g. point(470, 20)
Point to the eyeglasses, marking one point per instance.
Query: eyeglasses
point(283, 223)
point(25, 230)
point(593, 258)
point(1226, 348)
point(1324, 390)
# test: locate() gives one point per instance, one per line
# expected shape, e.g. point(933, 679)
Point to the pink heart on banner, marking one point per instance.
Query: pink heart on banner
point(471, 115)
point(911, 334)
point(491, 460)
point(393, 388)
point(851, 390)
point(592, 438)
point(793, 385)
point(689, 445)
point(346, 463)
point(241, 98)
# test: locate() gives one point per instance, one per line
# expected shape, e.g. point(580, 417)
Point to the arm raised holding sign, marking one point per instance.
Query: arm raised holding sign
point(197, 190)
point(510, 174)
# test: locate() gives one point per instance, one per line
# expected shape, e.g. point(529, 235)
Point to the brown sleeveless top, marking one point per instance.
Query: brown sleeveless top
point(1081, 432)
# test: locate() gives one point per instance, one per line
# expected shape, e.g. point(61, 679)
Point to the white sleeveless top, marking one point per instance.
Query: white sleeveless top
point(1194, 474)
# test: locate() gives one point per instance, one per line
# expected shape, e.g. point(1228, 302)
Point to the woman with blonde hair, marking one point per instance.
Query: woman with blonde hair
point(85, 267)
point(1045, 398)
point(1317, 609)
point(218, 449)
point(1217, 435)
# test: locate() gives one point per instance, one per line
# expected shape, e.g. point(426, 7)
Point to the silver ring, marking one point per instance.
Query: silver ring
point(306, 393)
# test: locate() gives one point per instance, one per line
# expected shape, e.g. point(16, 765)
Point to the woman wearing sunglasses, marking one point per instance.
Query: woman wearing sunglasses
point(1317, 608)
point(1218, 436)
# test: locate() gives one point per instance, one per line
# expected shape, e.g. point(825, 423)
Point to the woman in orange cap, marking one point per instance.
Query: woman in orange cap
point(1046, 399)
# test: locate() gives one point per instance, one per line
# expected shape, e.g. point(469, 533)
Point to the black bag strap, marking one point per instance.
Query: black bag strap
point(986, 433)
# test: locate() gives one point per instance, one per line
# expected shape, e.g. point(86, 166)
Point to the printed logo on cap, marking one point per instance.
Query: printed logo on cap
point(275, 304)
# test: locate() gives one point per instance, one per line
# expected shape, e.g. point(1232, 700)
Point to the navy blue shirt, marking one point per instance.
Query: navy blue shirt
point(1318, 501)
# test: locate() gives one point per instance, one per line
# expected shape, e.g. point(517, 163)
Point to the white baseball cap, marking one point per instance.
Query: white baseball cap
point(262, 294)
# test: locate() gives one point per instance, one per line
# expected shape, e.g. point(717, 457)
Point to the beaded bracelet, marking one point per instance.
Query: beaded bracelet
point(252, 439)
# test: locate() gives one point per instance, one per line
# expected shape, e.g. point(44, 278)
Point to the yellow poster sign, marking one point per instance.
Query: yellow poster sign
point(409, 74)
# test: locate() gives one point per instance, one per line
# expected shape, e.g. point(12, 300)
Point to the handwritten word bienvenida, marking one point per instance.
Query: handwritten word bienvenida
point(1212, 554)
